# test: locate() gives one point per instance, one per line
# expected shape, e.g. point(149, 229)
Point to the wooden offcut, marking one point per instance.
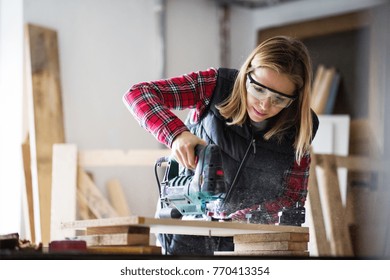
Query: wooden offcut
point(46, 114)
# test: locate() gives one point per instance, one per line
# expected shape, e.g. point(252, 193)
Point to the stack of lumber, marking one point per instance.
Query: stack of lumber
point(294, 244)
point(118, 240)
point(325, 88)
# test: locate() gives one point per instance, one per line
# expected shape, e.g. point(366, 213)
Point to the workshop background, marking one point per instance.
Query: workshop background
point(105, 46)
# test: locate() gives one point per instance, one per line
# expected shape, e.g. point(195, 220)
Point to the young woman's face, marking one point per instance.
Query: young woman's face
point(268, 92)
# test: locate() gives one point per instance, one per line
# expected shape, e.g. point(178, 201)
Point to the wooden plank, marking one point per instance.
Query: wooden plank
point(46, 116)
point(117, 197)
point(153, 250)
point(339, 238)
point(29, 188)
point(117, 229)
point(206, 228)
point(268, 237)
point(120, 158)
point(64, 185)
point(122, 239)
point(317, 81)
point(98, 204)
point(316, 211)
point(264, 253)
point(271, 246)
point(321, 96)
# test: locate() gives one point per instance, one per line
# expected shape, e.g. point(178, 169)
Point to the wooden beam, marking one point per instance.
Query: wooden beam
point(340, 239)
point(46, 116)
point(316, 212)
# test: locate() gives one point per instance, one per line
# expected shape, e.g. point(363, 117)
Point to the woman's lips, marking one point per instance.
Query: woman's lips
point(259, 113)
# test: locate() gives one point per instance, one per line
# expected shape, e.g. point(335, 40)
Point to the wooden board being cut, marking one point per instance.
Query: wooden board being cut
point(205, 228)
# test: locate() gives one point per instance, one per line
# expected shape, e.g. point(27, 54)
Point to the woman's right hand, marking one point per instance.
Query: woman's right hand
point(183, 148)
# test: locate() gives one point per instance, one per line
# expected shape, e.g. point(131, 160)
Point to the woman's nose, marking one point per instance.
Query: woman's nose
point(265, 103)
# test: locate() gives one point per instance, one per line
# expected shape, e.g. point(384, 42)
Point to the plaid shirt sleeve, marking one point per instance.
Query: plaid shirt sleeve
point(295, 190)
point(151, 102)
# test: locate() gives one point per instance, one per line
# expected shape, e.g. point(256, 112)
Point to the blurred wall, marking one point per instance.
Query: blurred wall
point(105, 46)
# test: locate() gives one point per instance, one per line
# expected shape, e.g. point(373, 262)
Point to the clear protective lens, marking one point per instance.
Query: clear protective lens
point(262, 93)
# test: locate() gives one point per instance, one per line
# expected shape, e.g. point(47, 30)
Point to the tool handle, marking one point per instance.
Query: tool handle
point(198, 151)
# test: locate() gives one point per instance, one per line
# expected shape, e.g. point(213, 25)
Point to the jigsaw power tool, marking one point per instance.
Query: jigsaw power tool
point(195, 194)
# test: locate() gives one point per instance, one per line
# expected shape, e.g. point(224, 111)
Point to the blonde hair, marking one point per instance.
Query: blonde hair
point(288, 56)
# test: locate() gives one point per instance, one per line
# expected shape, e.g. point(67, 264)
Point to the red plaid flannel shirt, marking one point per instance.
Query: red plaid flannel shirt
point(151, 104)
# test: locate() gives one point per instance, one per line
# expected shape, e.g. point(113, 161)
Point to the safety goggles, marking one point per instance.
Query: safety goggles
point(261, 92)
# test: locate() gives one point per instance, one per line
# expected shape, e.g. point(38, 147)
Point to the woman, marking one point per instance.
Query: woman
point(259, 116)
